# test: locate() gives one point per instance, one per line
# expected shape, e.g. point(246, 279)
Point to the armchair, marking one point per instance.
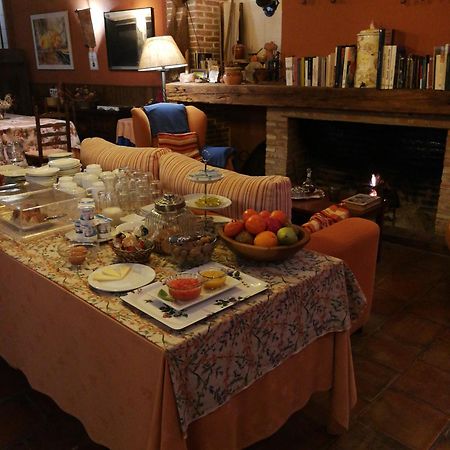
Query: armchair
point(146, 136)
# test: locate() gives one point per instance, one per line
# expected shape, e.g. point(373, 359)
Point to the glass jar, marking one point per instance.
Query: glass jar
point(169, 217)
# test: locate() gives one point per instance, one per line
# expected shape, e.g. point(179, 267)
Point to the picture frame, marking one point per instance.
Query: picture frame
point(52, 44)
point(126, 32)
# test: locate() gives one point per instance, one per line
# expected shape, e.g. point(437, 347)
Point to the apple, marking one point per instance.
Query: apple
point(273, 224)
point(287, 236)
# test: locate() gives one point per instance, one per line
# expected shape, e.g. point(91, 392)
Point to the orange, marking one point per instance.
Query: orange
point(247, 213)
point(266, 239)
point(255, 224)
point(233, 228)
point(279, 215)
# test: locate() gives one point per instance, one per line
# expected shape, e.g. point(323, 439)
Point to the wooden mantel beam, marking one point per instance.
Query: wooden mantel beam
point(411, 102)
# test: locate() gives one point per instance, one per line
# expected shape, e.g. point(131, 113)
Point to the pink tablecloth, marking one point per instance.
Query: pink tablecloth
point(108, 354)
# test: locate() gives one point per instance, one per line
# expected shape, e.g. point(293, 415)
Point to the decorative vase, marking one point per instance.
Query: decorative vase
point(233, 75)
point(238, 50)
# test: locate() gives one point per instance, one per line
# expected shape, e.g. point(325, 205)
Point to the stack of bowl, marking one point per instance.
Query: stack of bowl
point(66, 166)
point(45, 176)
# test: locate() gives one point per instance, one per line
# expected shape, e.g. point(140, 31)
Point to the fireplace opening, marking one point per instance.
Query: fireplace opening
point(344, 155)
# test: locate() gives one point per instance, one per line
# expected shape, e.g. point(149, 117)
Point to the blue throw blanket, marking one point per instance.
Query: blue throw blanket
point(167, 118)
point(217, 156)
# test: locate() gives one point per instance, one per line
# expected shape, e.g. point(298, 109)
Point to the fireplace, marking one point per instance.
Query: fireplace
point(344, 155)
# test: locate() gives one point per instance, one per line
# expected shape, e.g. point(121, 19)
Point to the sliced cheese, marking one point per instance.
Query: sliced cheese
point(112, 273)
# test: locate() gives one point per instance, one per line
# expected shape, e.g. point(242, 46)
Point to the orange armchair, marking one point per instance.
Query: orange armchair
point(196, 121)
point(143, 137)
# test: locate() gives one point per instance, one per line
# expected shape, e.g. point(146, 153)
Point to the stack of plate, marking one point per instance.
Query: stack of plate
point(59, 155)
point(45, 176)
point(12, 173)
point(66, 166)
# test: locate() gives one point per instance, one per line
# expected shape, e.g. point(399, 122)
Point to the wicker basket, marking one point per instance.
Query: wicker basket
point(138, 256)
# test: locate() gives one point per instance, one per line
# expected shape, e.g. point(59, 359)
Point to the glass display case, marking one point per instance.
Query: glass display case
point(32, 213)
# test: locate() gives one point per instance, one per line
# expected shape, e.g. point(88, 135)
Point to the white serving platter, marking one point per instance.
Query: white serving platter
point(143, 300)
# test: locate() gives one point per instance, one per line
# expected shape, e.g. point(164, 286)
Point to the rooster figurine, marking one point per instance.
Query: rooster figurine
point(5, 104)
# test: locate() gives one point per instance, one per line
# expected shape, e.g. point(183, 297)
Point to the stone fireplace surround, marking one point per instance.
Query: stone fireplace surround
point(284, 105)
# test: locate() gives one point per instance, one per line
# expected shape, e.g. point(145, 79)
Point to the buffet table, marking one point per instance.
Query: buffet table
point(233, 378)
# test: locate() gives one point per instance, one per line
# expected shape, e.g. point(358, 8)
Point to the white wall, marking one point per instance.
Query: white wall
point(258, 28)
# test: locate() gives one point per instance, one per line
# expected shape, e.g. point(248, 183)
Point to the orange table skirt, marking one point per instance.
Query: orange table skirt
point(118, 385)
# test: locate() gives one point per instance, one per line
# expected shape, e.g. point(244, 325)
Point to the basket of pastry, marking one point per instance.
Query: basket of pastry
point(133, 246)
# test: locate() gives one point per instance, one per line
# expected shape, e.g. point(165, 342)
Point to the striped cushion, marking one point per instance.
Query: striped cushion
point(327, 217)
point(263, 192)
point(111, 156)
point(184, 143)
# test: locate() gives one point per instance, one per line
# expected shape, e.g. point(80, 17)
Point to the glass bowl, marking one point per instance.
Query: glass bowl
point(213, 278)
point(184, 287)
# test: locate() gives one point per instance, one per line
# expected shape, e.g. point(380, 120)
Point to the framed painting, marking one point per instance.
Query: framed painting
point(51, 36)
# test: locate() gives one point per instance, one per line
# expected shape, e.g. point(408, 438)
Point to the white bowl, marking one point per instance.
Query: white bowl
point(43, 171)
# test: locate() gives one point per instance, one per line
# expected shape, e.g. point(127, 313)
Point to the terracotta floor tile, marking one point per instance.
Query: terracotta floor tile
point(362, 437)
point(371, 377)
point(445, 335)
point(393, 354)
point(437, 310)
point(438, 355)
point(427, 383)
point(409, 285)
point(411, 329)
point(388, 303)
point(412, 423)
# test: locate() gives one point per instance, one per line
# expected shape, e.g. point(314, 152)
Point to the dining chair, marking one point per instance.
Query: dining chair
point(50, 137)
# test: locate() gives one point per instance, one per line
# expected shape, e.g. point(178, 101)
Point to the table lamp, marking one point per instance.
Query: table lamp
point(161, 53)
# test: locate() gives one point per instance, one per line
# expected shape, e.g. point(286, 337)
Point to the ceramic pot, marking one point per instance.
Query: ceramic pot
point(233, 75)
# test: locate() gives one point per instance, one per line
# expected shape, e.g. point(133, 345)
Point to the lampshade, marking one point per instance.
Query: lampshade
point(161, 53)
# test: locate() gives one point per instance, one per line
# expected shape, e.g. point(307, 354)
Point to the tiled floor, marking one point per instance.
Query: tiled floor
point(402, 365)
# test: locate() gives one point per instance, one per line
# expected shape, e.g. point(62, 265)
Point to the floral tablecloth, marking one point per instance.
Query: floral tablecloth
point(309, 296)
point(23, 129)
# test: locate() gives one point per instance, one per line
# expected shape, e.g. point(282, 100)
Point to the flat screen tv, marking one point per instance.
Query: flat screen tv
point(126, 32)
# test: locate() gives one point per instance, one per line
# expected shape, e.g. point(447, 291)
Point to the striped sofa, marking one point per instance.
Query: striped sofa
point(263, 192)
point(353, 240)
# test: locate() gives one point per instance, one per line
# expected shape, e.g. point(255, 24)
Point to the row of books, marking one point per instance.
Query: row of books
point(395, 69)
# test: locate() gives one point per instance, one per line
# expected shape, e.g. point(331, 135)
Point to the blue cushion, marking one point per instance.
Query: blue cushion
point(217, 156)
point(167, 118)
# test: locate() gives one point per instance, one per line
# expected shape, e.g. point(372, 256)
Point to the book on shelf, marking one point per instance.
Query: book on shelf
point(289, 62)
point(361, 202)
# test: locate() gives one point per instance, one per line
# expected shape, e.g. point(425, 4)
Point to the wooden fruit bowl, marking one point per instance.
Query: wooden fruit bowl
point(267, 254)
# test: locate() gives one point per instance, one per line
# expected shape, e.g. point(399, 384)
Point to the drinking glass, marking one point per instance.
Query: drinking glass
point(15, 154)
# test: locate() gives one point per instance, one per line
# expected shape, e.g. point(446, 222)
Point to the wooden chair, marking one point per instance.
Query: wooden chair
point(50, 137)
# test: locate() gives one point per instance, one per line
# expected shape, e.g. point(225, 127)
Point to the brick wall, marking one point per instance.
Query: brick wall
point(204, 26)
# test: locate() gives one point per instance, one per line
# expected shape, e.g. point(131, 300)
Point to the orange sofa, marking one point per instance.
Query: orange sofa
point(353, 240)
